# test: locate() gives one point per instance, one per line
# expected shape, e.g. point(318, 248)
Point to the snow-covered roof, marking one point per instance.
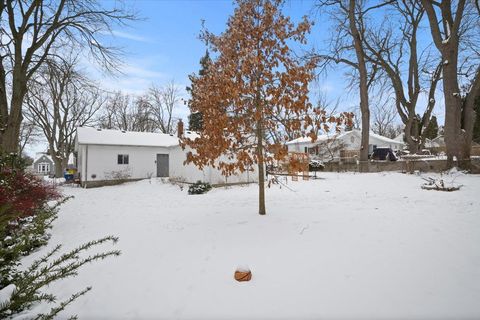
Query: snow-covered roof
point(40, 155)
point(325, 137)
point(320, 138)
point(400, 137)
point(87, 135)
point(384, 139)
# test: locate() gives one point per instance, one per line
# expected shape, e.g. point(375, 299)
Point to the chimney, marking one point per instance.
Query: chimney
point(180, 128)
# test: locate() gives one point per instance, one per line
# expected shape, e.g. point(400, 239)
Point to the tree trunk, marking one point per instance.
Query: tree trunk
point(261, 170)
point(454, 139)
point(411, 136)
point(365, 136)
point(58, 166)
point(362, 68)
point(10, 138)
point(457, 120)
point(469, 116)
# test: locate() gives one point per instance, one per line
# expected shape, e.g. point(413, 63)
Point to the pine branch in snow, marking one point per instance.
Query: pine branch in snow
point(43, 272)
point(56, 310)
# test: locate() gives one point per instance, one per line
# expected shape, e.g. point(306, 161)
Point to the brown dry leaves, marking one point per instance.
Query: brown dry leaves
point(254, 78)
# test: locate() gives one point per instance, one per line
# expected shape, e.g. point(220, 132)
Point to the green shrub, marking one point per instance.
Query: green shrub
point(199, 188)
point(26, 215)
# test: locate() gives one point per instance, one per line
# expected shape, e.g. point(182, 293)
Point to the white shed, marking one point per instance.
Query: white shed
point(329, 146)
point(107, 156)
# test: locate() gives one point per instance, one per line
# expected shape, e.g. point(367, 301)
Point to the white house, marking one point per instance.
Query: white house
point(106, 156)
point(332, 146)
point(400, 137)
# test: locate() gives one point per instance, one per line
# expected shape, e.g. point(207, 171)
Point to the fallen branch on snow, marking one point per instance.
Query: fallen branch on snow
point(439, 185)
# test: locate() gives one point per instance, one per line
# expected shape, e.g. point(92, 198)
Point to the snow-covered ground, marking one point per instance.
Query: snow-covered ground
point(345, 246)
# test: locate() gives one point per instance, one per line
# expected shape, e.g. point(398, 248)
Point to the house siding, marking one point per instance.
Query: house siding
point(98, 164)
point(43, 159)
point(350, 140)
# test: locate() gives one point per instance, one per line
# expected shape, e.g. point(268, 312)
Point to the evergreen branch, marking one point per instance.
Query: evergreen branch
point(56, 310)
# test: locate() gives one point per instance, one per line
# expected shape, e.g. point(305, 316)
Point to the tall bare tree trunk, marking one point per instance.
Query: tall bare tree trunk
point(362, 68)
point(453, 106)
point(412, 135)
point(261, 169)
point(470, 115)
point(10, 137)
point(58, 166)
point(459, 112)
point(9, 140)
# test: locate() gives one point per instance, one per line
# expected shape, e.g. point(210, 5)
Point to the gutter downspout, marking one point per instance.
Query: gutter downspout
point(86, 164)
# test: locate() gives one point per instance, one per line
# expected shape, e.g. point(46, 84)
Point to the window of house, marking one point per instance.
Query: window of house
point(306, 150)
point(123, 159)
point(43, 167)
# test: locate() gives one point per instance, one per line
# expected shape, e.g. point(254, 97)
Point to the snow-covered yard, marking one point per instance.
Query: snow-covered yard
point(345, 246)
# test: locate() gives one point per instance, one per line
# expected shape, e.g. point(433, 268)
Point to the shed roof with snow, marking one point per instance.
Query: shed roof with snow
point(88, 135)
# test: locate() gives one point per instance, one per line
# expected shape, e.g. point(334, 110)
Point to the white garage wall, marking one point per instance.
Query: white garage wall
point(192, 173)
point(187, 173)
point(102, 162)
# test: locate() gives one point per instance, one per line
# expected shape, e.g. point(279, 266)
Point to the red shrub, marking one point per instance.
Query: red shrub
point(23, 193)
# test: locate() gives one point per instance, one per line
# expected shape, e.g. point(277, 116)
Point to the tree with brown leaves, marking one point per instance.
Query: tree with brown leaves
point(254, 74)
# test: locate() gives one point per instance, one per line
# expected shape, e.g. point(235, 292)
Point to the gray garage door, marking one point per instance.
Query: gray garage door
point(162, 165)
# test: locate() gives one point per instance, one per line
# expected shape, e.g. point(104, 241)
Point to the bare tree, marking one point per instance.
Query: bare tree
point(129, 113)
point(117, 113)
point(454, 26)
point(143, 115)
point(29, 134)
point(328, 149)
point(34, 31)
point(348, 48)
point(393, 46)
point(59, 100)
point(164, 100)
point(319, 115)
point(395, 130)
point(384, 115)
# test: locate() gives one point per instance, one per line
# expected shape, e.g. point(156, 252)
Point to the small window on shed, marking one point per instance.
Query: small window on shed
point(122, 159)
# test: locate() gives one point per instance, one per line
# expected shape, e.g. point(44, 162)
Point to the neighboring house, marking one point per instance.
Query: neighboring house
point(438, 142)
point(340, 145)
point(437, 146)
point(43, 164)
point(106, 156)
point(400, 137)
